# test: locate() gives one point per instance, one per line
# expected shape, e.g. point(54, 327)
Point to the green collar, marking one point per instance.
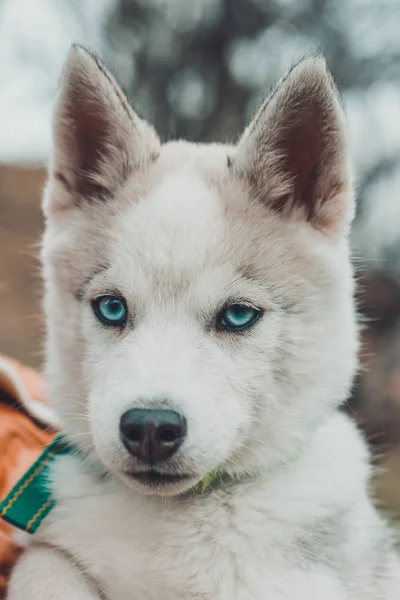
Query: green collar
point(30, 500)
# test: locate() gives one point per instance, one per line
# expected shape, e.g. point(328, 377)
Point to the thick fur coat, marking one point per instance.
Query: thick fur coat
point(179, 233)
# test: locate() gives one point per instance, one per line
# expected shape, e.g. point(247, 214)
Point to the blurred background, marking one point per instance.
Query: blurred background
point(198, 69)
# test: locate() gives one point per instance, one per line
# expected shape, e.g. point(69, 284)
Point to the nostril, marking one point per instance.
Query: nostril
point(133, 434)
point(168, 434)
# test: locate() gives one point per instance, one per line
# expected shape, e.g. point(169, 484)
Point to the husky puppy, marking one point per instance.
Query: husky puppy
point(201, 335)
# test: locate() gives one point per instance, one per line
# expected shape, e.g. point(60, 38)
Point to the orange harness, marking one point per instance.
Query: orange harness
point(27, 425)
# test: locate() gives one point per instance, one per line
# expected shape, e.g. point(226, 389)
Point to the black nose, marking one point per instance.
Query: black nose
point(152, 435)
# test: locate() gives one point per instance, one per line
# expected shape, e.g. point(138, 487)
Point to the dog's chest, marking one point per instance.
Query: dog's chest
point(142, 548)
point(210, 547)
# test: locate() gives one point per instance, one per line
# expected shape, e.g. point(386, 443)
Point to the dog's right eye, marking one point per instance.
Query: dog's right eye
point(110, 310)
point(237, 317)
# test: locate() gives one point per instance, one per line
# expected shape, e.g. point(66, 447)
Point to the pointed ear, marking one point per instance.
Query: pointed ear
point(98, 140)
point(294, 153)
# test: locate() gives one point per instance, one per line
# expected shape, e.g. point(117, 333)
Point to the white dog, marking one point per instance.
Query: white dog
point(201, 336)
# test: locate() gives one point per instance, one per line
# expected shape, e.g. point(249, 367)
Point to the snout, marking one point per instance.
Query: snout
point(152, 436)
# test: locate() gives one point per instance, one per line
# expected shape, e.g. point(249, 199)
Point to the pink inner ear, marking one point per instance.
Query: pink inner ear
point(301, 147)
point(90, 137)
point(92, 132)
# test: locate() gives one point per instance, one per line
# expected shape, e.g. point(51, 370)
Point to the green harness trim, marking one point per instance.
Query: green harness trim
point(30, 500)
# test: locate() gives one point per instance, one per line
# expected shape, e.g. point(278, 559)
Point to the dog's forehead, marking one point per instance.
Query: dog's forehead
point(177, 221)
point(180, 204)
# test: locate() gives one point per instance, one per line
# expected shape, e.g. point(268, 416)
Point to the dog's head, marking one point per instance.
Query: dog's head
point(198, 297)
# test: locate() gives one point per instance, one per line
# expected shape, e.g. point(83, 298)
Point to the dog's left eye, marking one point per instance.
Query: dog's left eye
point(237, 317)
point(110, 310)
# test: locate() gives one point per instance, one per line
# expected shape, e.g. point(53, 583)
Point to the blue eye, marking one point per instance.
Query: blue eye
point(238, 317)
point(110, 310)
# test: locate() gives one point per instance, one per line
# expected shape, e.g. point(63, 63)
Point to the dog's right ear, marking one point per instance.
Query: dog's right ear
point(98, 140)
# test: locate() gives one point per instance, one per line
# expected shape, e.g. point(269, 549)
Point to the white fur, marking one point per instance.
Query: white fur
point(179, 233)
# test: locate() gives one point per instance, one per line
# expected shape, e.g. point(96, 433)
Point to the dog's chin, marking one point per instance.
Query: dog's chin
point(154, 483)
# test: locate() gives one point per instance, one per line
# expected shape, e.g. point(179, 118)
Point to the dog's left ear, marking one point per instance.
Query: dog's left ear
point(98, 139)
point(294, 153)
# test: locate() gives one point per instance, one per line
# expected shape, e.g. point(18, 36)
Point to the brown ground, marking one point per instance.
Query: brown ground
point(20, 283)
